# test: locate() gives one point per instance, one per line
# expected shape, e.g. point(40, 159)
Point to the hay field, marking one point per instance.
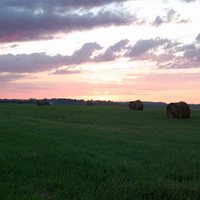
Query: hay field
point(98, 152)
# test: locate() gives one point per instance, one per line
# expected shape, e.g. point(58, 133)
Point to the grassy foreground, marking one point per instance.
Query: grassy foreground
point(81, 152)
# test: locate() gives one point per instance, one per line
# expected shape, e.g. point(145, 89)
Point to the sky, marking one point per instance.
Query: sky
point(118, 50)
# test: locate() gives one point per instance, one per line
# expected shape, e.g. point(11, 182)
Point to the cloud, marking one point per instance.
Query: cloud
point(189, 1)
point(112, 52)
point(170, 15)
point(184, 48)
point(198, 38)
point(66, 71)
point(83, 54)
point(166, 54)
point(5, 78)
point(179, 65)
point(192, 55)
point(36, 20)
point(189, 60)
point(142, 46)
point(14, 45)
point(24, 63)
point(158, 21)
point(3, 46)
point(49, 5)
point(38, 62)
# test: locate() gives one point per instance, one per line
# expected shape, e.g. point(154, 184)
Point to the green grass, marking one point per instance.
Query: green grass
point(99, 152)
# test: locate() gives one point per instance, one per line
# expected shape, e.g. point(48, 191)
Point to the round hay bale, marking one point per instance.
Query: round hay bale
point(178, 110)
point(89, 103)
point(20, 102)
point(40, 103)
point(136, 105)
point(46, 103)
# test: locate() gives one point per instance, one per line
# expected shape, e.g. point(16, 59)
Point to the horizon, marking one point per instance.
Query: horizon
point(117, 50)
point(85, 100)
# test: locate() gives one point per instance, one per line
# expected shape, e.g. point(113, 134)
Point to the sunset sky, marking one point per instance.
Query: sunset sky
point(117, 50)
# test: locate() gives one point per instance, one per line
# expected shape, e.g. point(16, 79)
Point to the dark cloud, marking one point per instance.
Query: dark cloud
point(179, 65)
point(192, 55)
point(119, 46)
point(150, 50)
point(184, 21)
point(3, 46)
point(190, 59)
point(83, 54)
point(5, 78)
point(14, 45)
point(49, 5)
point(198, 38)
point(184, 48)
point(142, 46)
point(38, 62)
point(172, 44)
point(66, 71)
point(162, 51)
point(158, 21)
point(38, 20)
point(189, 1)
point(170, 15)
point(112, 52)
point(24, 63)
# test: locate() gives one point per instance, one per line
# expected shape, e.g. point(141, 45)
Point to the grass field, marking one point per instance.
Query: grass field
point(98, 152)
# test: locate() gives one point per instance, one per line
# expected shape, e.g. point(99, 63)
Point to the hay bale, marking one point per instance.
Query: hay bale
point(178, 110)
point(20, 102)
point(40, 103)
point(89, 103)
point(136, 105)
point(46, 103)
